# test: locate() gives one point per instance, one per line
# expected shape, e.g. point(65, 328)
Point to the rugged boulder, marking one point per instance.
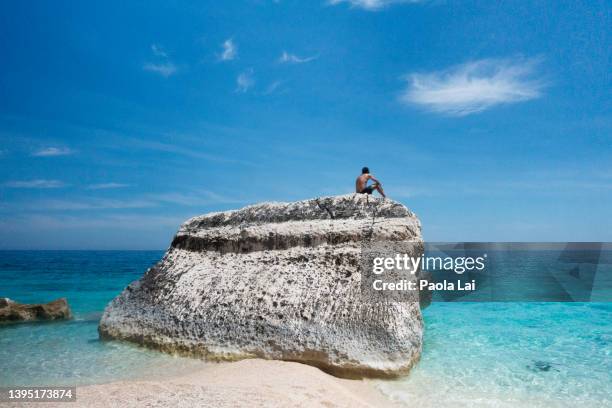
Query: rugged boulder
point(11, 311)
point(277, 281)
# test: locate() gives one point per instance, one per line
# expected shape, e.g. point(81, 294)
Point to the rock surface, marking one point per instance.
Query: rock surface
point(11, 311)
point(277, 281)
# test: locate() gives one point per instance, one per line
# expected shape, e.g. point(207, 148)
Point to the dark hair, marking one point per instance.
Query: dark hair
point(365, 170)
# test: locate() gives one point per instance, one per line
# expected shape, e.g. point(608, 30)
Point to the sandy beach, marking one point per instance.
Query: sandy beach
point(252, 383)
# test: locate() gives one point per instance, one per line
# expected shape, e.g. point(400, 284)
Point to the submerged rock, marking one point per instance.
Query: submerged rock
point(542, 366)
point(11, 311)
point(277, 281)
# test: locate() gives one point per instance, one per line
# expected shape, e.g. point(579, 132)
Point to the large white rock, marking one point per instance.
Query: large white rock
point(277, 281)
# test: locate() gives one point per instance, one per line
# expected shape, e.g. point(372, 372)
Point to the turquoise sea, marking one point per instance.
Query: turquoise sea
point(475, 354)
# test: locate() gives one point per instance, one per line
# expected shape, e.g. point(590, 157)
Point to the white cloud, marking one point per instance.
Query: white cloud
point(245, 81)
point(273, 87)
point(158, 51)
point(106, 186)
point(164, 69)
point(474, 86)
point(230, 50)
point(371, 5)
point(287, 58)
point(35, 184)
point(52, 151)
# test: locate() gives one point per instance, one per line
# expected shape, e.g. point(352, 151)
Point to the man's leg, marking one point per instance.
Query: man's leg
point(380, 190)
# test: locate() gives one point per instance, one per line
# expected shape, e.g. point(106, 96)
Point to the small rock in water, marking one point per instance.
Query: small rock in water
point(11, 311)
point(541, 366)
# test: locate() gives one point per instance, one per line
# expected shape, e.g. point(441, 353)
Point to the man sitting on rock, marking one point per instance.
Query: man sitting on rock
point(361, 185)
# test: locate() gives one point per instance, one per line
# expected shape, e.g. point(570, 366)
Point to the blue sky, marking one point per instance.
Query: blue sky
point(117, 122)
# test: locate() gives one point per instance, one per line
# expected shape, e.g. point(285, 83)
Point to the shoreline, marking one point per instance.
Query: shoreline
point(250, 382)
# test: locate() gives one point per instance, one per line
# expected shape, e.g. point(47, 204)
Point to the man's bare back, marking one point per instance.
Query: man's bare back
point(361, 184)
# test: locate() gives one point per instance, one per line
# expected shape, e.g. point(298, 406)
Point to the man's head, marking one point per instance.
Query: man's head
point(365, 170)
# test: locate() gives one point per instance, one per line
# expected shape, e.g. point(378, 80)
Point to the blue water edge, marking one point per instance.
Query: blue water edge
point(70, 352)
point(475, 354)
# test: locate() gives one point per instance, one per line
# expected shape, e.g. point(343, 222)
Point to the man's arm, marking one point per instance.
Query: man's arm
point(374, 179)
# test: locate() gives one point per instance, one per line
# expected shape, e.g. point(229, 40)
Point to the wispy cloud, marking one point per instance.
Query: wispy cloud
point(158, 51)
point(245, 81)
point(372, 5)
point(92, 204)
point(194, 199)
point(164, 69)
point(34, 184)
point(287, 58)
point(474, 86)
point(180, 150)
point(273, 87)
point(107, 221)
point(157, 200)
point(230, 50)
point(52, 151)
point(106, 186)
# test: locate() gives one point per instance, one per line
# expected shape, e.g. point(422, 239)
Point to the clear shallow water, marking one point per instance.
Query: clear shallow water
point(476, 354)
point(512, 354)
point(64, 353)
